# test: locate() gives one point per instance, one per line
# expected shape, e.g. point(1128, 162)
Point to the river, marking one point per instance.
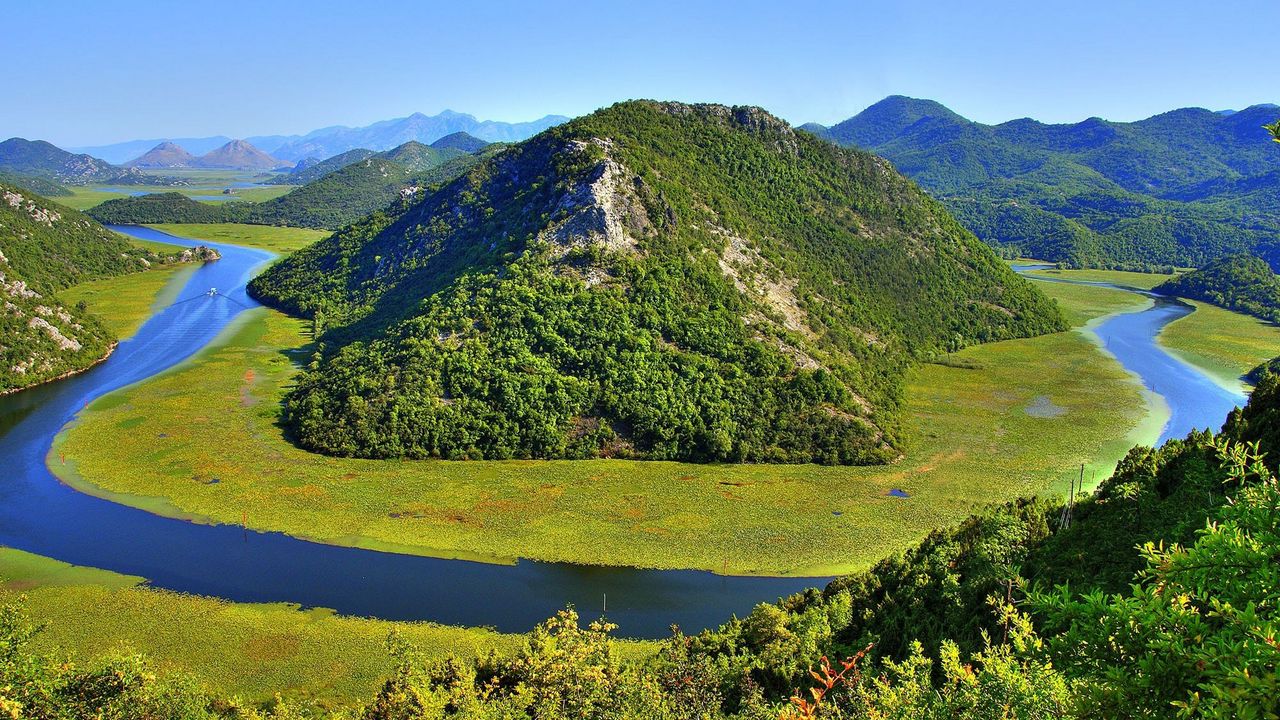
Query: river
point(1194, 400)
point(39, 514)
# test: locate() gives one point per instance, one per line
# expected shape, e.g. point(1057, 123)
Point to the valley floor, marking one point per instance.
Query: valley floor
point(976, 439)
point(973, 441)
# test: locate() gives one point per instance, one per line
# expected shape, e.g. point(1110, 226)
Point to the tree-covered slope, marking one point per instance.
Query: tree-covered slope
point(416, 157)
point(168, 207)
point(39, 186)
point(655, 280)
point(463, 141)
point(315, 171)
point(1182, 188)
point(44, 248)
point(1242, 283)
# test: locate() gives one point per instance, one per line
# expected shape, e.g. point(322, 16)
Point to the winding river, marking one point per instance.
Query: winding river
point(39, 514)
point(1194, 400)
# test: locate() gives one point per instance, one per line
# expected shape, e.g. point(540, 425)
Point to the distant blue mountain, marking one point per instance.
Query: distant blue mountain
point(336, 139)
point(417, 127)
point(122, 152)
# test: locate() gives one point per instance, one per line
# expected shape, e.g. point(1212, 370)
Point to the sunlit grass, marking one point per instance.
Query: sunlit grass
point(249, 649)
point(125, 302)
point(1224, 343)
point(280, 240)
point(1142, 281)
point(84, 197)
point(972, 442)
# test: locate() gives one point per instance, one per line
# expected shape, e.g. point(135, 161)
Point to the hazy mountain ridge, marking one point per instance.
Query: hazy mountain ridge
point(418, 127)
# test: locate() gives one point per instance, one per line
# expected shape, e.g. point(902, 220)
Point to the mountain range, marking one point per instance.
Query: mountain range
point(43, 161)
point(234, 155)
point(655, 280)
point(336, 192)
point(1180, 188)
point(329, 141)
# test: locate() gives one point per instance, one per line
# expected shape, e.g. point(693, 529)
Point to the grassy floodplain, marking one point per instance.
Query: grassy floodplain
point(1226, 344)
point(281, 240)
point(249, 649)
point(126, 301)
point(1124, 278)
point(974, 442)
point(205, 185)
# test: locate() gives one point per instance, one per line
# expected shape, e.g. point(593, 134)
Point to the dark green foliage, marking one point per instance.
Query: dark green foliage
point(1259, 420)
point(1156, 495)
point(317, 170)
point(169, 207)
point(1271, 366)
point(1182, 188)
point(39, 186)
point(1241, 282)
point(578, 295)
point(44, 248)
point(1195, 634)
point(460, 141)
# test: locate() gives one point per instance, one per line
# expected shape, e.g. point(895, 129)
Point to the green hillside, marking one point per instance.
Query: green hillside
point(1182, 188)
point(1242, 283)
point(463, 141)
point(39, 186)
point(655, 281)
point(416, 157)
point(168, 207)
point(44, 248)
point(320, 169)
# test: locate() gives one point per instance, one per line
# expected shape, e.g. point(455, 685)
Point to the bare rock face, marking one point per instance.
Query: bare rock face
point(199, 253)
point(238, 155)
point(164, 155)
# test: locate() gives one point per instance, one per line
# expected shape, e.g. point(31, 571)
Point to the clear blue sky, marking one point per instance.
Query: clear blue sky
point(92, 72)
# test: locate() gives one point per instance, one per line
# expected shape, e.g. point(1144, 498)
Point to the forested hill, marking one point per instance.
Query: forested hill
point(654, 280)
point(44, 248)
point(1182, 188)
point(1242, 283)
point(316, 170)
